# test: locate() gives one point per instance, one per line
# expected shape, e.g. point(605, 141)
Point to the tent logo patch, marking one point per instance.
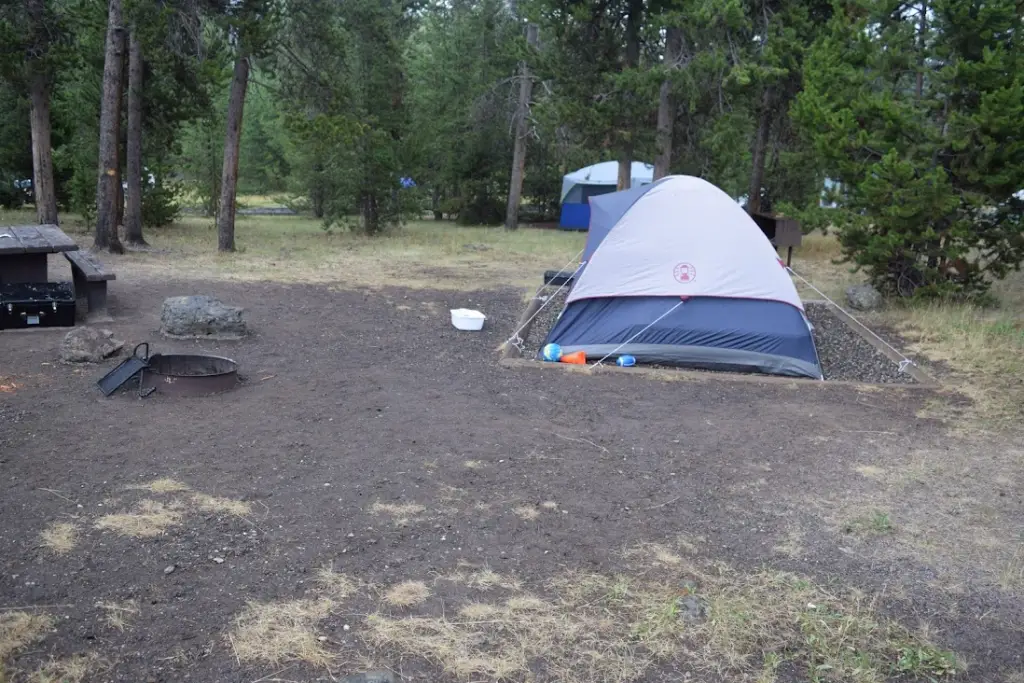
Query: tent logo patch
point(684, 273)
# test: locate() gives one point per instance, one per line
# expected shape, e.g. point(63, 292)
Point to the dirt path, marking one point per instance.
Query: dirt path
point(372, 437)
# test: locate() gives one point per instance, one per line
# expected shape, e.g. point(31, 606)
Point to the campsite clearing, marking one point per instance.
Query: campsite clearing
point(375, 451)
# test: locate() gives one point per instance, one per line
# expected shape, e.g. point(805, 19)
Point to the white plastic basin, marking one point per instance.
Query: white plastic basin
point(467, 319)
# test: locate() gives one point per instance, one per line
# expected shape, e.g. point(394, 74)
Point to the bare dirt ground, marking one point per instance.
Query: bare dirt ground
point(380, 493)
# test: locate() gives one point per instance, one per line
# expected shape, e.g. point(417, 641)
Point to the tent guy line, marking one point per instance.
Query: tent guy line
point(902, 365)
point(649, 326)
point(515, 339)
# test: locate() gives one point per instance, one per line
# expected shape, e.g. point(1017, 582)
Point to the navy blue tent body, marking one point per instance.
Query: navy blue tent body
point(676, 273)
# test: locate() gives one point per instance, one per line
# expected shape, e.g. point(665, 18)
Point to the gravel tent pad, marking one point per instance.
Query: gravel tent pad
point(844, 353)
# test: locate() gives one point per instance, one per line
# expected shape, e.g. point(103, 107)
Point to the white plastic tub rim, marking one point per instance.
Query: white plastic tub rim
point(467, 319)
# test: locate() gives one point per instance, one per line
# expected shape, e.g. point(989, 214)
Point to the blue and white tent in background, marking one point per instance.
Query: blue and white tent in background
point(677, 273)
point(579, 186)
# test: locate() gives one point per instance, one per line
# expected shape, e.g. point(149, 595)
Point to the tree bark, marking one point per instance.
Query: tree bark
point(435, 203)
point(40, 84)
point(371, 217)
point(42, 152)
point(666, 105)
point(232, 146)
point(633, 21)
point(759, 152)
point(108, 183)
point(317, 198)
point(921, 44)
point(515, 190)
point(133, 166)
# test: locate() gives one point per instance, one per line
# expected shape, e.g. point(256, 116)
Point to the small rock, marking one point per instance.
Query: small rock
point(89, 345)
point(201, 316)
point(370, 677)
point(863, 297)
point(219, 560)
point(169, 568)
point(691, 609)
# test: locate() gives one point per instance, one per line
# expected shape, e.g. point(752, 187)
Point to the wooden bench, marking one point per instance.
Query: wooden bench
point(91, 280)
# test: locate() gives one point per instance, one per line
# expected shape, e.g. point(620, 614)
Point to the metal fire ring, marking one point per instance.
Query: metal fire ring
point(189, 374)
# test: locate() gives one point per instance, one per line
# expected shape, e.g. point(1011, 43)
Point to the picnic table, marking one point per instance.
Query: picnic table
point(23, 250)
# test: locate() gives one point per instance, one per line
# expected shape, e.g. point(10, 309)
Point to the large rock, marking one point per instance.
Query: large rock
point(863, 297)
point(89, 345)
point(201, 316)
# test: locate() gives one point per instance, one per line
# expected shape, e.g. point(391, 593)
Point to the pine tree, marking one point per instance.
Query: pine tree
point(916, 111)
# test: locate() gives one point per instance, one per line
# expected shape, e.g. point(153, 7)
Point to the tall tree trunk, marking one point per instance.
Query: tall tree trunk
point(633, 22)
point(133, 167)
point(42, 153)
point(232, 145)
point(39, 85)
point(515, 190)
point(435, 203)
point(666, 104)
point(108, 183)
point(371, 217)
point(316, 190)
point(921, 45)
point(759, 152)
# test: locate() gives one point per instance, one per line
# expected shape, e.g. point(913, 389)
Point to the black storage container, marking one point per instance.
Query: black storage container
point(37, 304)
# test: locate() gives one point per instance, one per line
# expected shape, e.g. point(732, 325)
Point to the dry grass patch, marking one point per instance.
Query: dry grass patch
point(422, 254)
point(117, 615)
point(279, 632)
point(224, 506)
point(1011, 576)
point(162, 486)
point(338, 586)
point(737, 626)
point(74, 669)
point(813, 260)
point(655, 553)
point(871, 471)
point(484, 579)
point(400, 513)
point(475, 611)
point(984, 350)
point(59, 538)
point(407, 594)
point(473, 464)
point(791, 545)
point(20, 629)
point(526, 512)
point(150, 518)
point(1015, 676)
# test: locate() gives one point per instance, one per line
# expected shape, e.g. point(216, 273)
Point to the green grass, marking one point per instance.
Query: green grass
point(877, 523)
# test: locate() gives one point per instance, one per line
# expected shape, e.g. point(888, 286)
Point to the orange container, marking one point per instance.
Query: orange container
point(575, 358)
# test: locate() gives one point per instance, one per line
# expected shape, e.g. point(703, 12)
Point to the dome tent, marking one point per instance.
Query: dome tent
point(579, 186)
point(677, 273)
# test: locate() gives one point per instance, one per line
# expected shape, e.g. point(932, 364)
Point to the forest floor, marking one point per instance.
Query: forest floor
point(379, 493)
